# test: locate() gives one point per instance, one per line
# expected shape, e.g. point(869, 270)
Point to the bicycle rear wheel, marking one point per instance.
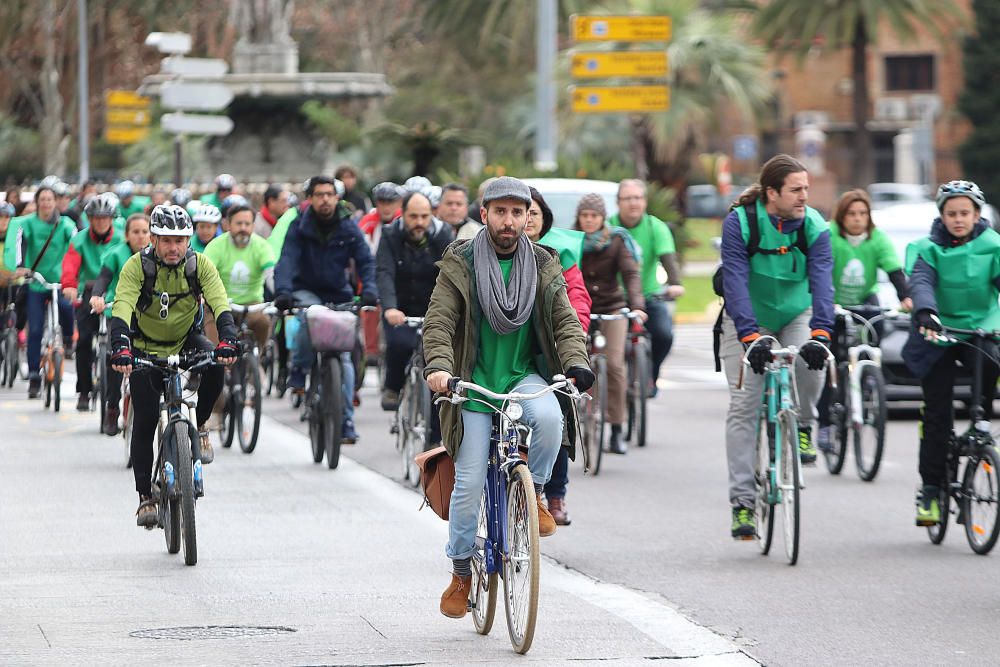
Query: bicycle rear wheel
point(839, 417)
point(333, 410)
point(57, 371)
point(101, 391)
point(520, 568)
point(763, 509)
point(185, 486)
point(790, 482)
point(13, 358)
point(593, 434)
point(483, 592)
point(869, 439)
point(937, 532)
point(249, 407)
point(981, 499)
point(267, 362)
point(640, 388)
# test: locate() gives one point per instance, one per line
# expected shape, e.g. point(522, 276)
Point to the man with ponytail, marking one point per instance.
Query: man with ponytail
point(777, 281)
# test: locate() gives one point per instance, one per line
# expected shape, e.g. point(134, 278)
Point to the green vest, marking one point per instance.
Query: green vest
point(567, 242)
point(855, 268)
point(966, 294)
point(779, 282)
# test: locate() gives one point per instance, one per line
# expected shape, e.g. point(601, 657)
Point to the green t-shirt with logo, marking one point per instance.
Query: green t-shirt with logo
point(855, 269)
point(655, 240)
point(242, 269)
point(504, 360)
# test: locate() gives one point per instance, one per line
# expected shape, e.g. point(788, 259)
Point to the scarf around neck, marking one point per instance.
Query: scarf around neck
point(506, 306)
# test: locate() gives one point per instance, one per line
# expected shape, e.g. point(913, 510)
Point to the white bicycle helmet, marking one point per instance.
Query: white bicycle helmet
point(953, 189)
point(225, 182)
point(103, 205)
point(125, 189)
point(420, 184)
point(170, 220)
point(205, 213)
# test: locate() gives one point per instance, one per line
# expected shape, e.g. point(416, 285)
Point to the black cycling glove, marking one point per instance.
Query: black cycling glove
point(815, 355)
point(760, 356)
point(582, 377)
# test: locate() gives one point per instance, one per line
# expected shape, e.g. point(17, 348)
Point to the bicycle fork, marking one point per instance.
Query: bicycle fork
point(856, 365)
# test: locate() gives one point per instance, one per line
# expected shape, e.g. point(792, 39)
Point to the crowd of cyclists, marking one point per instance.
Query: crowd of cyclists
point(506, 296)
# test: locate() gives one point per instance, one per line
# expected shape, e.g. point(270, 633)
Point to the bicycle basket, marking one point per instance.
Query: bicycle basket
point(331, 330)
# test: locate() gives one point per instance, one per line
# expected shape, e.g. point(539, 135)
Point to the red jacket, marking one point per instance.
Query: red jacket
point(579, 298)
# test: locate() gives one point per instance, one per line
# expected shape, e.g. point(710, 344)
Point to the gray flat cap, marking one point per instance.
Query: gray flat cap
point(507, 187)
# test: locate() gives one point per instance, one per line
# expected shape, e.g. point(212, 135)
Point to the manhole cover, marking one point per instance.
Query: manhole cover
point(192, 632)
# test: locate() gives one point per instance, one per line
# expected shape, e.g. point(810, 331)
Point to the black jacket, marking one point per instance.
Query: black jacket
point(406, 273)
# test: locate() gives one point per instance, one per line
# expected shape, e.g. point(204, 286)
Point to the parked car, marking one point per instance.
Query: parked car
point(563, 194)
point(889, 194)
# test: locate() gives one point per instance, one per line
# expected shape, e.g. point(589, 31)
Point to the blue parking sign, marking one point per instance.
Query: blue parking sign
point(744, 147)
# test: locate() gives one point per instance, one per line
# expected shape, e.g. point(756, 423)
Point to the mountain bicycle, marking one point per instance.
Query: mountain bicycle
point(177, 473)
point(507, 536)
point(778, 469)
point(412, 422)
point(860, 407)
point(976, 495)
point(53, 353)
point(242, 393)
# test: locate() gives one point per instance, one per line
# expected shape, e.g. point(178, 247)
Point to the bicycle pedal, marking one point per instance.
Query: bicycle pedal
point(744, 538)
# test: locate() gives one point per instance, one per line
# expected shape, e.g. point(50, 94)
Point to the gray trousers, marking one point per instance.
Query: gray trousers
point(744, 406)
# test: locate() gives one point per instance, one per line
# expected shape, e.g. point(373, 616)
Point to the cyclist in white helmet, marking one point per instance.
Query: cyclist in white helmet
point(206, 218)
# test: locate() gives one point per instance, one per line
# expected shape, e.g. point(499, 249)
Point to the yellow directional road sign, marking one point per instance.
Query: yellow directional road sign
point(127, 99)
point(125, 135)
point(127, 117)
point(620, 28)
point(633, 99)
point(619, 63)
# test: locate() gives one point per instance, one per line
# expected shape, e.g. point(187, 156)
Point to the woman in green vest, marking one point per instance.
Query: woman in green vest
point(954, 281)
point(859, 251)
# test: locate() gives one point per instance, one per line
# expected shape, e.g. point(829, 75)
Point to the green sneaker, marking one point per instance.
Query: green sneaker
point(929, 506)
point(807, 451)
point(744, 527)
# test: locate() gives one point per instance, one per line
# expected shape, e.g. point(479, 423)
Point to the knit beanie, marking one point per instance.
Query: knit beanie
point(592, 202)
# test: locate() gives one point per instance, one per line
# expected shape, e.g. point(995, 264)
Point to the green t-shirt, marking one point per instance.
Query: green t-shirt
point(114, 260)
point(210, 198)
point(503, 361)
point(655, 240)
point(10, 242)
point(855, 269)
point(277, 238)
point(35, 233)
point(137, 205)
point(242, 269)
point(91, 253)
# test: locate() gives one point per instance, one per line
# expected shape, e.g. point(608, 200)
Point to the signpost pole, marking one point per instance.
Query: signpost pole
point(83, 86)
point(546, 40)
point(178, 169)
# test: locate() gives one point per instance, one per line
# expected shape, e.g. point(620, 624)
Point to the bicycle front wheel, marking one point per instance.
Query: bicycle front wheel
point(127, 420)
point(313, 408)
point(640, 388)
point(869, 438)
point(332, 410)
point(483, 593)
point(101, 392)
point(594, 416)
point(249, 408)
point(790, 482)
point(981, 499)
point(520, 568)
point(763, 509)
point(185, 485)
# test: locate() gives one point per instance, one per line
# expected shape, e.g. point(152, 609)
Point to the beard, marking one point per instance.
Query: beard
point(416, 234)
point(503, 242)
point(241, 240)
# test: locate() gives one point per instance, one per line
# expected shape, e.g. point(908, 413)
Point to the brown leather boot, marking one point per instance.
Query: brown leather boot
point(546, 524)
point(455, 599)
point(557, 508)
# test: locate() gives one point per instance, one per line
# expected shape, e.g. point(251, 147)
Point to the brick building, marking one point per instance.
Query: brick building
point(913, 84)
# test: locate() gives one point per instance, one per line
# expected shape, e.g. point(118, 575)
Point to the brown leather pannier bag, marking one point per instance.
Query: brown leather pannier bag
point(437, 477)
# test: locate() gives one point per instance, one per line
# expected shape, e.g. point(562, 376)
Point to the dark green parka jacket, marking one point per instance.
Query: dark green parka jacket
point(451, 332)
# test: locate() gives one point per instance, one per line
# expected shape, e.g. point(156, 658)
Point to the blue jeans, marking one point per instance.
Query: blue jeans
point(556, 486)
point(36, 305)
point(660, 326)
point(544, 417)
point(304, 354)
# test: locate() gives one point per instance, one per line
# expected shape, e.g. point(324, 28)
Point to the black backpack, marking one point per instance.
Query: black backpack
point(753, 247)
point(149, 278)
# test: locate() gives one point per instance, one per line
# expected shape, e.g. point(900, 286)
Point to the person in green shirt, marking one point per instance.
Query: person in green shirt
point(246, 264)
point(37, 244)
point(656, 243)
point(80, 268)
point(206, 219)
point(224, 186)
point(499, 315)
point(129, 202)
point(136, 238)
point(159, 318)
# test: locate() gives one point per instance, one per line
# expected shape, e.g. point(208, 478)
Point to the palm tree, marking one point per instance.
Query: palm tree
point(797, 25)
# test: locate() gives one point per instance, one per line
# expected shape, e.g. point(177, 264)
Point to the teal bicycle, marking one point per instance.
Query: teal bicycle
point(778, 469)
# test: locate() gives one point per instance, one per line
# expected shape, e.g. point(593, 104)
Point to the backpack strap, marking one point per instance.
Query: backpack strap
point(191, 273)
point(149, 267)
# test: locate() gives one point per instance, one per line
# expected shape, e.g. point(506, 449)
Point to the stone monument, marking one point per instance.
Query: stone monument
point(271, 139)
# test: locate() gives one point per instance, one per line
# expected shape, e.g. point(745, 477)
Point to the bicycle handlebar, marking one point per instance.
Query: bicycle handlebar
point(267, 307)
point(788, 355)
point(456, 386)
point(39, 278)
point(173, 362)
point(622, 314)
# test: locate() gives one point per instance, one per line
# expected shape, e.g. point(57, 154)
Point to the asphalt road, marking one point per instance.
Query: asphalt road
point(312, 566)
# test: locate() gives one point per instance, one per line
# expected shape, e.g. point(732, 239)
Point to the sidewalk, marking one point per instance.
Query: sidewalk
point(301, 564)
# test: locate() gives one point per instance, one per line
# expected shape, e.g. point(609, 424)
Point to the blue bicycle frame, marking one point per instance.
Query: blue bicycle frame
point(504, 457)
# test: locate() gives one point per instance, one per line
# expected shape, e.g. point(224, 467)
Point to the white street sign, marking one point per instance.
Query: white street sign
point(189, 96)
point(184, 123)
point(194, 68)
point(177, 43)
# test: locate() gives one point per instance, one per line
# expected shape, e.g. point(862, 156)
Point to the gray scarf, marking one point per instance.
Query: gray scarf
point(506, 307)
